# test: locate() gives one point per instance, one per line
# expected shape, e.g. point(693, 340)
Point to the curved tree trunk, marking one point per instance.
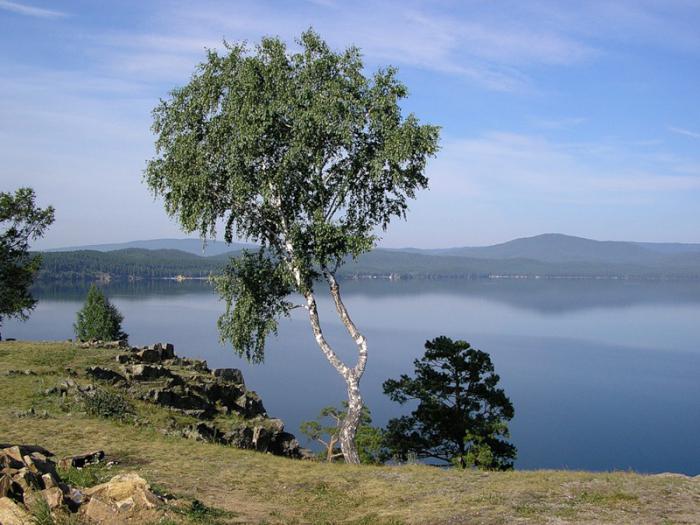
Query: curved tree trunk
point(352, 376)
point(352, 379)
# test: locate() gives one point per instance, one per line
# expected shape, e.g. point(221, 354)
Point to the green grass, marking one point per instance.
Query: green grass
point(236, 486)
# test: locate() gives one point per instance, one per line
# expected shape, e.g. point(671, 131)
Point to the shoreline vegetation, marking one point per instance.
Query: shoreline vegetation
point(262, 488)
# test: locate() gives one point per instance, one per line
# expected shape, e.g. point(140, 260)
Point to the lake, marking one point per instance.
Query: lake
point(603, 374)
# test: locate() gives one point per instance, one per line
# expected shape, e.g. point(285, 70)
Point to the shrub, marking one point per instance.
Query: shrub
point(99, 319)
point(104, 403)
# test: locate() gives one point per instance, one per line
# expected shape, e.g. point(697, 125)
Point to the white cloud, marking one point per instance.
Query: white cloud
point(28, 10)
point(683, 131)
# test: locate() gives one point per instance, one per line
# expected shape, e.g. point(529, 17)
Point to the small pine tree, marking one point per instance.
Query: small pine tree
point(99, 319)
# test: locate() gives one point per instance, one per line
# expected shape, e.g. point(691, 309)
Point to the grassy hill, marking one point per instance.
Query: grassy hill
point(248, 487)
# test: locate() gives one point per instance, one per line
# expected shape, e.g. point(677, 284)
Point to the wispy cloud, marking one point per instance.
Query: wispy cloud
point(686, 132)
point(28, 10)
point(537, 169)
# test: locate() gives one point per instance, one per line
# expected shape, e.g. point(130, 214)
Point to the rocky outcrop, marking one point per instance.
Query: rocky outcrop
point(28, 476)
point(227, 411)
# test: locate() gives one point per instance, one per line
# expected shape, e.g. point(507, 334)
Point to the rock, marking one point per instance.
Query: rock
point(261, 439)
point(233, 375)
point(73, 498)
point(285, 444)
point(146, 372)
point(28, 449)
point(122, 488)
point(25, 480)
point(275, 425)
point(14, 453)
point(80, 460)
point(13, 514)
point(105, 374)
point(48, 481)
point(149, 355)
point(5, 485)
point(239, 438)
point(98, 511)
point(53, 498)
point(168, 351)
point(181, 398)
point(250, 405)
point(202, 432)
point(123, 358)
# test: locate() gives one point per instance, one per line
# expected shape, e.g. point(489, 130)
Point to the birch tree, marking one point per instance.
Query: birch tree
point(302, 153)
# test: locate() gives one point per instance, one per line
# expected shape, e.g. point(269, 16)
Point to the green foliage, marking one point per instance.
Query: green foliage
point(254, 288)
point(326, 428)
point(99, 319)
point(461, 415)
point(300, 152)
point(20, 222)
point(107, 404)
point(87, 476)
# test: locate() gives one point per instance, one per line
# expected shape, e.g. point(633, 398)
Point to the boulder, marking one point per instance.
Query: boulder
point(123, 492)
point(13, 514)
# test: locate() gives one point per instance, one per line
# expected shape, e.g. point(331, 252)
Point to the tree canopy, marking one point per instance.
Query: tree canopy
point(299, 152)
point(98, 319)
point(461, 415)
point(21, 221)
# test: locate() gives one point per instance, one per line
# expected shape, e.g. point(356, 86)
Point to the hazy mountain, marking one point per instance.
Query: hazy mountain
point(558, 248)
point(194, 246)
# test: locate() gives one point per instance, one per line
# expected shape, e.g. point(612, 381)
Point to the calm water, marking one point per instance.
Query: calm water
point(603, 374)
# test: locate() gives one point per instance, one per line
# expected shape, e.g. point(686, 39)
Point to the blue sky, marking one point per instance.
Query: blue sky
point(572, 117)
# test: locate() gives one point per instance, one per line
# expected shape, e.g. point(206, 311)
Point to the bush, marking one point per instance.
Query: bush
point(104, 403)
point(99, 319)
